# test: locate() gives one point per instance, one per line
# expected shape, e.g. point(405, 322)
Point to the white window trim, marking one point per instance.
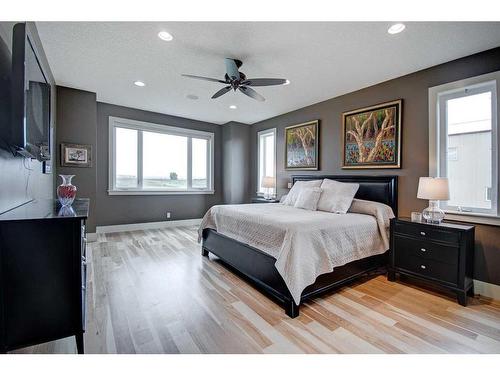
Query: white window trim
point(259, 134)
point(434, 151)
point(115, 122)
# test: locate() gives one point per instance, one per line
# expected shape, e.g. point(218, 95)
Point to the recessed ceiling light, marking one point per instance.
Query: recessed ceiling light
point(139, 83)
point(166, 36)
point(287, 82)
point(232, 106)
point(192, 97)
point(396, 28)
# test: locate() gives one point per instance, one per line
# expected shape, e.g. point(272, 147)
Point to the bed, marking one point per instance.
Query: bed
point(259, 262)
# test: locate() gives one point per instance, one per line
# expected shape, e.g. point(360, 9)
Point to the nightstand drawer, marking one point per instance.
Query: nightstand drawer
point(426, 232)
point(408, 247)
point(430, 268)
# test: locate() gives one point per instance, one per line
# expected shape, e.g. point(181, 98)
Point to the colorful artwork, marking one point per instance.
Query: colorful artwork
point(372, 137)
point(301, 147)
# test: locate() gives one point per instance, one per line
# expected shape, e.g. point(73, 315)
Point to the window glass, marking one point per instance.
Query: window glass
point(469, 145)
point(126, 158)
point(199, 161)
point(164, 161)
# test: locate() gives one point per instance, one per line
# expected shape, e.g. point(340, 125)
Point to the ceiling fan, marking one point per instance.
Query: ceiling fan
point(236, 80)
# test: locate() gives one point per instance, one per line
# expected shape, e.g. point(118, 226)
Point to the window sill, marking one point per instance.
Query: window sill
point(471, 217)
point(160, 192)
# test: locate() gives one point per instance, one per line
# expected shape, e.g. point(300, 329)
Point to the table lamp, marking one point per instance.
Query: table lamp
point(268, 183)
point(434, 189)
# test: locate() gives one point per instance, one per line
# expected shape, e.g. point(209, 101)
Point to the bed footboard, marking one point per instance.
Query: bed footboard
point(259, 268)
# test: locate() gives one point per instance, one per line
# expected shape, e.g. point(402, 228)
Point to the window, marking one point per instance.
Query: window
point(267, 158)
point(466, 144)
point(147, 158)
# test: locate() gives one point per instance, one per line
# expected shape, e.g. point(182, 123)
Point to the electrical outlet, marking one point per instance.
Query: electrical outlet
point(168, 215)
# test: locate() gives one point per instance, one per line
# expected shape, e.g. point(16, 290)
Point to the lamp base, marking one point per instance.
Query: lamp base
point(433, 214)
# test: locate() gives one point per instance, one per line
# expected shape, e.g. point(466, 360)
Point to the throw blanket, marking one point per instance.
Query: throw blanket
point(305, 243)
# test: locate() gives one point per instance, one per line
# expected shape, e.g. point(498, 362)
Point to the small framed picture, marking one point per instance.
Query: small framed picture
point(416, 217)
point(75, 155)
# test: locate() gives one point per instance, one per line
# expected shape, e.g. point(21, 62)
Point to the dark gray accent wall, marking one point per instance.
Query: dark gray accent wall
point(21, 179)
point(77, 123)
point(128, 209)
point(413, 89)
point(235, 162)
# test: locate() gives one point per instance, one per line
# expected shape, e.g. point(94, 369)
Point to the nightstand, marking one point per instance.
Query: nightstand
point(439, 253)
point(263, 200)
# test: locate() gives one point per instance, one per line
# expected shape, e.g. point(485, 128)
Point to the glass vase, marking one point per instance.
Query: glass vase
point(66, 192)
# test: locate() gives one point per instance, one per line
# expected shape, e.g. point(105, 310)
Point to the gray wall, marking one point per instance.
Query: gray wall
point(21, 179)
point(128, 209)
point(77, 123)
point(236, 153)
point(413, 89)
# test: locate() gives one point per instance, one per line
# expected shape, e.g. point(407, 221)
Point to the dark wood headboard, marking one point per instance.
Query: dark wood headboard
point(382, 189)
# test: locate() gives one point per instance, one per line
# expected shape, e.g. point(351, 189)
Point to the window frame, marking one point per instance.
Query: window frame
point(260, 134)
point(438, 140)
point(140, 126)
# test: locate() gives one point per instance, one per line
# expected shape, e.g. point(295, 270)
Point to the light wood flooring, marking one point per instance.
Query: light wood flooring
point(152, 292)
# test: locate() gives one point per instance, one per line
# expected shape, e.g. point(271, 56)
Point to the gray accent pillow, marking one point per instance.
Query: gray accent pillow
point(308, 199)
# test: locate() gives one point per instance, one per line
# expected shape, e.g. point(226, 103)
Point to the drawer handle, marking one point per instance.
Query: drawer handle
point(423, 267)
point(423, 250)
point(422, 233)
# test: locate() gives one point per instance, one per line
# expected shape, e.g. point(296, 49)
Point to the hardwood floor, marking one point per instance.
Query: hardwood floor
point(152, 292)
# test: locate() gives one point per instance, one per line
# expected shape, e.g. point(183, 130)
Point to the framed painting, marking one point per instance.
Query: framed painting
point(75, 155)
point(301, 146)
point(372, 136)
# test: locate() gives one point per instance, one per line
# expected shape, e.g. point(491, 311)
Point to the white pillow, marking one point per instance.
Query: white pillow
point(336, 196)
point(293, 194)
point(308, 199)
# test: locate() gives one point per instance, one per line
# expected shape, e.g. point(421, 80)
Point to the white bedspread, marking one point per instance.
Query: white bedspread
point(305, 243)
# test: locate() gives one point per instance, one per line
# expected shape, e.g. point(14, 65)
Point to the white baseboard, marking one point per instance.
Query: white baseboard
point(487, 289)
point(142, 226)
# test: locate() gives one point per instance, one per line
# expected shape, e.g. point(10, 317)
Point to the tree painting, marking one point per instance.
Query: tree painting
point(302, 146)
point(371, 137)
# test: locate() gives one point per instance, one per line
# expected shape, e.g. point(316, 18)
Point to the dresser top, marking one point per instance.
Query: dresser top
point(47, 209)
point(444, 224)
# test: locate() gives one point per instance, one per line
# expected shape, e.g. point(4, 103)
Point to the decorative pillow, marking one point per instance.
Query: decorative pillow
point(336, 196)
point(308, 199)
point(293, 194)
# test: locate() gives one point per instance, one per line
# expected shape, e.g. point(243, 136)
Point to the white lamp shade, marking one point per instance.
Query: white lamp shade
point(268, 182)
point(433, 188)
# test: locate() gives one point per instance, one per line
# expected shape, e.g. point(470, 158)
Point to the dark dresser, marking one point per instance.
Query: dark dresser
point(42, 274)
point(440, 253)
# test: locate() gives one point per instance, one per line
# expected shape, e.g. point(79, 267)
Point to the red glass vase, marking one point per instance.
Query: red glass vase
point(66, 192)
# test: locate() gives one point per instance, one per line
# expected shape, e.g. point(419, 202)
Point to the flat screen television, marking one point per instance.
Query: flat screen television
point(31, 96)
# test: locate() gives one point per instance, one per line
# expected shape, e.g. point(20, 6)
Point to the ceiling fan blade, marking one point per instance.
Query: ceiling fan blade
point(221, 92)
point(264, 81)
point(232, 69)
point(251, 93)
point(204, 78)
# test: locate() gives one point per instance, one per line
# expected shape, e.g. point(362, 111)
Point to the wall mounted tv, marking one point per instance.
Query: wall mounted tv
point(31, 96)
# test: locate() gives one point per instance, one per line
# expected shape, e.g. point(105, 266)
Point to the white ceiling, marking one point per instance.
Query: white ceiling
point(322, 60)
